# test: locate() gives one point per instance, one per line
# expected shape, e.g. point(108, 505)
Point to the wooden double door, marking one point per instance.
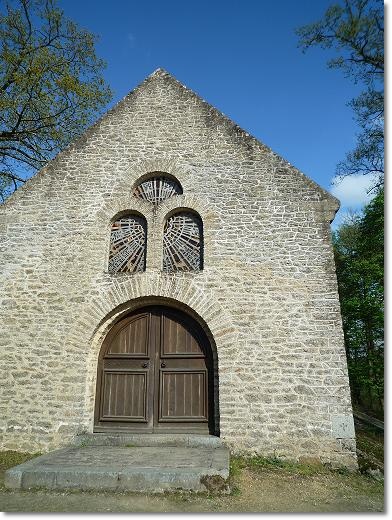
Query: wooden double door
point(155, 374)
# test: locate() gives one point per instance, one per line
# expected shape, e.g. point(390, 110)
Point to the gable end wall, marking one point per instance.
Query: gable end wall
point(268, 290)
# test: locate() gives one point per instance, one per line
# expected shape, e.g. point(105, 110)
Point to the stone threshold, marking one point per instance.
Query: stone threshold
point(149, 439)
point(129, 467)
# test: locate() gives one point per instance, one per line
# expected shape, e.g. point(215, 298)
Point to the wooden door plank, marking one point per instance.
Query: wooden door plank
point(172, 396)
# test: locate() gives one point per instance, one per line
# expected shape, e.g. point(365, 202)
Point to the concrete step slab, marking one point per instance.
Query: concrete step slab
point(152, 469)
point(151, 439)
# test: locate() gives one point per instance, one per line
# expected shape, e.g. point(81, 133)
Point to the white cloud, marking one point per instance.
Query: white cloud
point(353, 193)
point(353, 190)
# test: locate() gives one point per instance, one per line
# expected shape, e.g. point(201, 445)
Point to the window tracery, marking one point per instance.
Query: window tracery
point(128, 245)
point(182, 236)
point(156, 189)
point(182, 243)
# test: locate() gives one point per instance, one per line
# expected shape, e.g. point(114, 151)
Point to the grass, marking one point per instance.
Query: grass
point(257, 463)
point(363, 483)
point(10, 458)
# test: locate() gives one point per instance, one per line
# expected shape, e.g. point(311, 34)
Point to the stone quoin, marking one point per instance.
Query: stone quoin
point(169, 272)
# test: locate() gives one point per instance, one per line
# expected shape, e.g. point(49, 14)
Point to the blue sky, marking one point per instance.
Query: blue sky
point(243, 58)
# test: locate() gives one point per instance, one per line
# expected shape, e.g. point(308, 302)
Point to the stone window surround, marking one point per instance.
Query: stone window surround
point(182, 252)
point(138, 226)
point(178, 189)
point(156, 216)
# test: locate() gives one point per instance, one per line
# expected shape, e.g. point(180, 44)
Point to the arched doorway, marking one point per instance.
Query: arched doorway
point(155, 374)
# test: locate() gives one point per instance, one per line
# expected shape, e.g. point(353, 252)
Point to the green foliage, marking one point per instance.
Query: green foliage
point(355, 30)
point(51, 86)
point(359, 257)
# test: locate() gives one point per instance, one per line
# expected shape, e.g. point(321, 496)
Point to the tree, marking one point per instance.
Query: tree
point(51, 86)
point(359, 257)
point(356, 31)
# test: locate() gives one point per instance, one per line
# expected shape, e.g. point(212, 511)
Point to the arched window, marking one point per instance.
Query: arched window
point(157, 188)
point(128, 245)
point(183, 242)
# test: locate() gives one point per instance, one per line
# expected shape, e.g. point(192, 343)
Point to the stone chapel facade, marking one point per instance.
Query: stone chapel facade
point(167, 272)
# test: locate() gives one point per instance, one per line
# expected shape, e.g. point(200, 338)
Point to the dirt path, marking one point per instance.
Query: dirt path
point(257, 491)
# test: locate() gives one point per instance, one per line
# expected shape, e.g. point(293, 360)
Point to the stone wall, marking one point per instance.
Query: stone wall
point(267, 292)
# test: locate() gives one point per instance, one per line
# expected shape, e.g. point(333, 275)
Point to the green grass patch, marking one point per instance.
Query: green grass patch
point(235, 491)
point(236, 465)
point(10, 458)
point(258, 463)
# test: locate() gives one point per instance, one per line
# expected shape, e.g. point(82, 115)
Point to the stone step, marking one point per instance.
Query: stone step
point(148, 469)
point(149, 439)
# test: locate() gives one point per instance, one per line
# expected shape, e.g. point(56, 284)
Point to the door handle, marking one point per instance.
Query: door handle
point(163, 364)
point(144, 365)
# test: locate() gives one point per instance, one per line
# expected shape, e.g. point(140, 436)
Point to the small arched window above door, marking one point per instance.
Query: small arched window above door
point(127, 251)
point(183, 242)
point(157, 188)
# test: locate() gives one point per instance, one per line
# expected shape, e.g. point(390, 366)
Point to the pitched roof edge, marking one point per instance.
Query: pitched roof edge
point(160, 72)
point(246, 135)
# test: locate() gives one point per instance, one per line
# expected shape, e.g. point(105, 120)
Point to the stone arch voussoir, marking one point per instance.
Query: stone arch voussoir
point(187, 202)
point(121, 296)
point(184, 201)
point(124, 204)
point(166, 164)
point(179, 288)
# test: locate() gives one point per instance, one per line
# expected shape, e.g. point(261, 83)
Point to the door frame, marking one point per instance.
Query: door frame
point(133, 307)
